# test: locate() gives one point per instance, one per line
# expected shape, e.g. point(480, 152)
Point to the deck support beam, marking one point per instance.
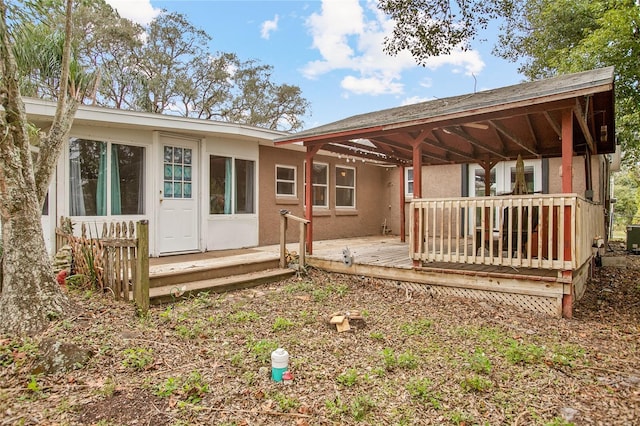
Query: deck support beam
point(308, 192)
point(401, 170)
point(417, 190)
point(567, 188)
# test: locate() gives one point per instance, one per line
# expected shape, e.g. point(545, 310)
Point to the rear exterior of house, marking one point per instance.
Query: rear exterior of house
point(202, 185)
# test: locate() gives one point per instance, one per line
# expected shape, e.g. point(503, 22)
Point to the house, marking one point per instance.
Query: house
point(467, 227)
point(205, 185)
point(202, 185)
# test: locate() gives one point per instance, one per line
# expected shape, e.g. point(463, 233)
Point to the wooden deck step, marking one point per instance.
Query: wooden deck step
point(174, 292)
point(180, 273)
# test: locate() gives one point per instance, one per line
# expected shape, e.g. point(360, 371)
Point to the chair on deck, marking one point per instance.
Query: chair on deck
point(515, 220)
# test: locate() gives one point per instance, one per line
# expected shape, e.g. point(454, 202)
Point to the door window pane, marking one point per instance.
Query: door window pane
point(176, 161)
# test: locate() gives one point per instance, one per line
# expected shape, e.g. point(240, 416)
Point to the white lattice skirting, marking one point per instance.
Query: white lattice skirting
point(551, 306)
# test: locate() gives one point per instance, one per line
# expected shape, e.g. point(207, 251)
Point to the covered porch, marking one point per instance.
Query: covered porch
point(540, 244)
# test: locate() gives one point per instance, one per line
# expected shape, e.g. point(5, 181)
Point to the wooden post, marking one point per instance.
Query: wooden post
point(311, 151)
point(417, 194)
point(283, 238)
point(402, 204)
point(301, 255)
point(141, 284)
point(567, 188)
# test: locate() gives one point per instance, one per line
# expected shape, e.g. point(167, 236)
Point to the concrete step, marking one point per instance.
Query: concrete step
point(175, 292)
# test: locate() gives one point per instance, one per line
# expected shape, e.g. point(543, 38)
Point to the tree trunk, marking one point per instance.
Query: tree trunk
point(30, 297)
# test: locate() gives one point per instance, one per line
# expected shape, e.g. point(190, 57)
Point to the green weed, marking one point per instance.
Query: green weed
point(479, 362)
point(299, 287)
point(282, 324)
point(420, 327)
point(348, 378)
point(284, 402)
point(137, 358)
point(244, 316)
point(518, 353)
point(262, 349)
point(376, 335)
point(407, 360)
point(360, 407)
point(461, 418)
point(336, 407)
point(194, 388)
point(167, 388)
point(476, 384)
point(237, 359)
point(420, 389)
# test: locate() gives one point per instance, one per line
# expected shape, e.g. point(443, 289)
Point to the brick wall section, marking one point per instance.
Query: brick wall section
point(372, 199)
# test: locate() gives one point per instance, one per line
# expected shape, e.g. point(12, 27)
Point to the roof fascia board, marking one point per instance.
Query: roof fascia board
point(162, 122)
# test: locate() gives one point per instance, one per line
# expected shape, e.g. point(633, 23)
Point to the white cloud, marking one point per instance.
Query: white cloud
point(371, 85)
point(415, 100)
point(140, 11)
point(268, 27)
point(350, 38)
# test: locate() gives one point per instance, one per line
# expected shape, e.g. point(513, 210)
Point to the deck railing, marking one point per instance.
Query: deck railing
point(529, 231)
point(285, 216)
point(117, 258)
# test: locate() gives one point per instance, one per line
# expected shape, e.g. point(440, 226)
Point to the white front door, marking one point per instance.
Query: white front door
point(178, 212)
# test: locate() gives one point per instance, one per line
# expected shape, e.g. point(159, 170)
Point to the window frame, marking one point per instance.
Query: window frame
point(233, 187)
point(352, 188)
point(408, 193)
point(109, 144)
point(294, 182)
point(326, 186)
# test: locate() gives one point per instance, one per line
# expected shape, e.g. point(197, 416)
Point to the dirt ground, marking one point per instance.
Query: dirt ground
point(411, 359)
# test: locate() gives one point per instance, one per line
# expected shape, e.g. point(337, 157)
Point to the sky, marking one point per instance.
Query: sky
point(333, 51)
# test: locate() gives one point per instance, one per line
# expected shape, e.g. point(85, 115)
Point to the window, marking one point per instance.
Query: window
point(105, 178)
point(244, 186)
point(231, 183)
point(503, 178)
point(177, 172)
point(408, 181)
point(320, 182)
point(479, 183)
point(285, 181)
point(528, 178)
point(345, 187)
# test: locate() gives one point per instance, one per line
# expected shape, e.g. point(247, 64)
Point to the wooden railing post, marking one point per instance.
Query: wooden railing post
point(283, 238)
point(141, 283)
point(303, 237)
point(284, 216)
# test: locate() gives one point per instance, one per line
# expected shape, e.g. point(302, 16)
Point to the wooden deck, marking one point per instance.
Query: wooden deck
point(386, 258)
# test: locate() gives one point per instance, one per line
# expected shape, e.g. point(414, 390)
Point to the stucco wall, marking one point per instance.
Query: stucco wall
point(328, 223)
point(579, 176)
